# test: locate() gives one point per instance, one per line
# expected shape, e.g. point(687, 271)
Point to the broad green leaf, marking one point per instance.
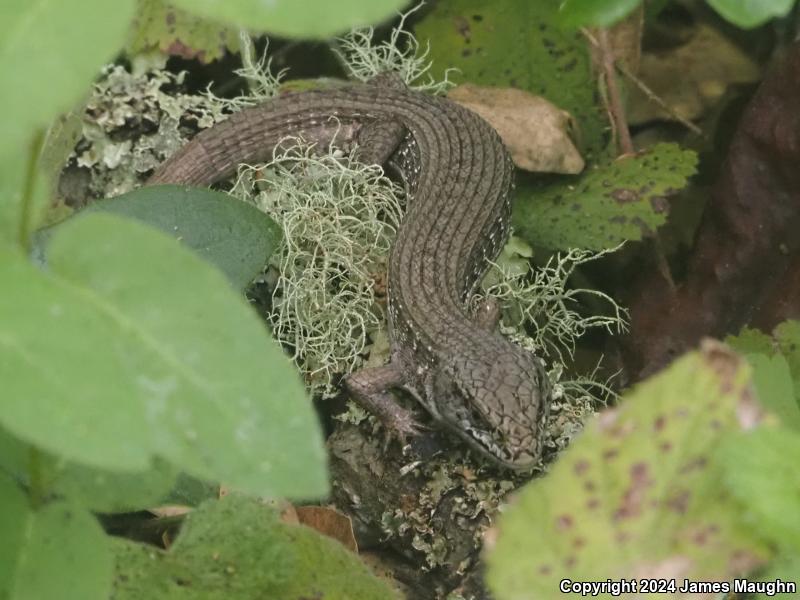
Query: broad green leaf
point(95, 489)
point(161, 27)
point(517, 43)
point(639, 493)
point(58, 551)
point(787, 335)
point(237, 548)
point(751, 13)
point(605, 206)
point(49, 54)
point(20, 178)
point(109, 491)
point(773, 382)
point(760, 468)
point(776, 365)
point(129, 347)
point(598, 13)
point(751, 341)
point(64, 133)
point(230, 234)
point(296, 18)
point(784, 568)
point(189, 491)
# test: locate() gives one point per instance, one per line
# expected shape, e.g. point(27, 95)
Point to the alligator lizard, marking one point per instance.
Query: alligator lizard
point(482, 387)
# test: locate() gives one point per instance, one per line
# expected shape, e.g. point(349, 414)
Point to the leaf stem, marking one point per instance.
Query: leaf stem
point(35, 477)
point(28, 190)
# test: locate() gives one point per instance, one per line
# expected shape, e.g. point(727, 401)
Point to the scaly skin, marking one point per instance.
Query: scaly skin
point(487, 390)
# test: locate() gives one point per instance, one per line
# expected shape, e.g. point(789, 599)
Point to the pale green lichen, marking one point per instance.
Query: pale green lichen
point(262, 83)
point(132, 122)
point(339, 218)
point(543, 299)
point(363, 59)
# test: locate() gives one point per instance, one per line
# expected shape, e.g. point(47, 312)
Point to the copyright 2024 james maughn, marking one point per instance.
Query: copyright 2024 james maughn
point(619, 587)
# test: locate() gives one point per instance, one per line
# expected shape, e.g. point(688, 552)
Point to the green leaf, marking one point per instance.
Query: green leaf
point(605, 206)
point(94, 489)
point(237, 548)
point(784, 568)
point(638, 494)
point(751, 341)
point(58, 551)
point(109, 491)
point(776, 365)
point(598, 13)
point(787, 335)
point(189, 491)
point(234, 236)
point(295, 18)
point(760, 468)
point(19, 179)
point(64, 133)
point(773, 382)
point(517, 43)
point(751, 13)
point(49, 54)
point(130, 347)
point(159, 26)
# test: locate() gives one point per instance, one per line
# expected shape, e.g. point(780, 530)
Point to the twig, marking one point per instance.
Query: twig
point(615, 98)
point(651, 95)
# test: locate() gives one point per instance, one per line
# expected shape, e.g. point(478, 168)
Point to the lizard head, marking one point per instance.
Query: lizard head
point(498, 407)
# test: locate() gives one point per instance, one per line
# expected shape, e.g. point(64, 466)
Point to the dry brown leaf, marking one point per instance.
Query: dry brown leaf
point(691, 78)
point(329, 522)
point(534, 130)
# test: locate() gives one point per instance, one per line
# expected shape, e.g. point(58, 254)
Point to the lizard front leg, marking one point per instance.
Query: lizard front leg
point(370, 388)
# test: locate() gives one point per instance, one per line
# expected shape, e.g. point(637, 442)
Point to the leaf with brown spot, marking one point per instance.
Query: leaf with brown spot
point(174, 32)
point(624, 200)
point(639, 493)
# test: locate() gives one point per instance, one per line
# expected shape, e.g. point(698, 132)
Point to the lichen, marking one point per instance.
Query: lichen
point(133, 121)
point(339, 218)
point(363, 59)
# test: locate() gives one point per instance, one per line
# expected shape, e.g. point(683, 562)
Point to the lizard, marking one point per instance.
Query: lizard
point(458, 175)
